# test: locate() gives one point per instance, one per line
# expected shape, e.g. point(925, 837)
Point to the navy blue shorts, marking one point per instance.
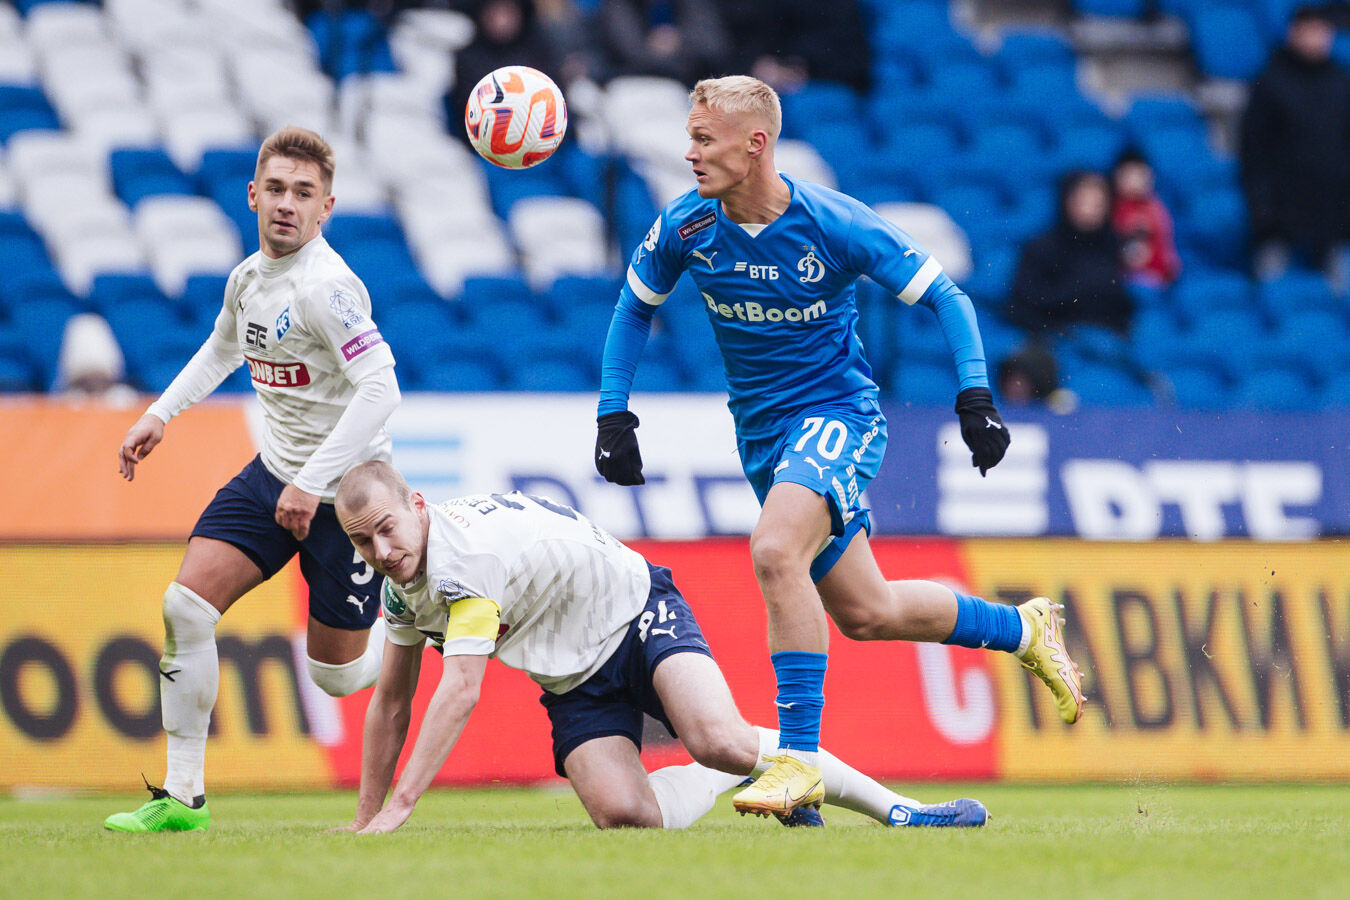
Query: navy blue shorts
point(834, 450)
point(343, 590)
point(612, 701)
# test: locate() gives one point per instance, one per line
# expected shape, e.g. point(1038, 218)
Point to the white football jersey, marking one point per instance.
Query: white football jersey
point(518, 577)
point(304, 327)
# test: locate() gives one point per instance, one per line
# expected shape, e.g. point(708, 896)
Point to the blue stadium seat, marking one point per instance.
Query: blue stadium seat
point(482, 293)
point(202, 297)
point(345, 232)
point(505, 187)
point(1202, 291)
point(24, 255)
point(152, 364)
point(1099, 384)
point(634, 210)
point(1336, 393)
point(953, 84)
point(1047, 82)
point(143, 322)
point(40, 316)
point(351, 41)
point(1275, 15)
point(113, 289)
point(1033, 212)
point(973, 206)
point(1150, 112)
point(924, 383)
point(1199, 387)
point(586, 175)
point(551, 375)
point(24, 108)
point(1227, 338)
point(1089, 146)
point(416, 322)
point(846, 147)
point(17, 372)
point(1298, 290)
point(1228, 42)
point(821, 104)
point(139, 172)
point(988, 283)
point(379, 262)
point(1275, 389)
point(459, 374)
point(909, 24)
point(1130, 9)
point(1216, 225)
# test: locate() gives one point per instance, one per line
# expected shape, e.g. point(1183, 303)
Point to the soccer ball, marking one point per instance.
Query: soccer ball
point(516, 117)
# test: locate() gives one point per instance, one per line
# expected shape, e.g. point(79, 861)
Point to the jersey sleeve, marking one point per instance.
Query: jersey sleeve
point(467, 592)
point(336, 312)
point(398, 617)
point(655, 265)
point(881, 250)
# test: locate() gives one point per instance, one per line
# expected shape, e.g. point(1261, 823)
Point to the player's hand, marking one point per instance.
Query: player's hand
point(141, 438)
point(616, 448)
point(295, 510)
point(391, 818)
point(981, 428)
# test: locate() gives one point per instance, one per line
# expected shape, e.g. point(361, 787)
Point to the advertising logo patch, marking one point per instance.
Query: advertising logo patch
point(343, 306)
point(277, 374)
point(689, 229)
point(283, 323)
point(360, 344)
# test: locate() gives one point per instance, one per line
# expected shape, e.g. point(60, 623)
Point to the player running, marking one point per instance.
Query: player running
point(775, 260)
point(604, 632)
point(325, 381)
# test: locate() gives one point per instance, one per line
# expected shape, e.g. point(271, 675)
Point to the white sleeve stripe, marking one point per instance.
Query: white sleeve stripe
point(644, 293)
point(468, 646)
point(922, 280)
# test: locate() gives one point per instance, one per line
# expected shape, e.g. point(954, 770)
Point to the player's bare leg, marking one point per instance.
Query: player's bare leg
point(607, 775)
point(793, 525)
point(698, 702)
point(867, 607)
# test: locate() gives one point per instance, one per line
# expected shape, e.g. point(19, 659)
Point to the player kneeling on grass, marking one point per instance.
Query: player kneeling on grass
point(604, 632)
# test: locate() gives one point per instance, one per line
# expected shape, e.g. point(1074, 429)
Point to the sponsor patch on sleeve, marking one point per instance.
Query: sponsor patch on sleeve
point(343, 305)
point(691, 228)
point(360, 344)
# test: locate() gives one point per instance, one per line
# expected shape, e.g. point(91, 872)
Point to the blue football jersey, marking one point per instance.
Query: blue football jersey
point(782, 302)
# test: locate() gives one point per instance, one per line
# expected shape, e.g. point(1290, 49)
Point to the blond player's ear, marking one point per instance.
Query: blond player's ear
point(252, 196)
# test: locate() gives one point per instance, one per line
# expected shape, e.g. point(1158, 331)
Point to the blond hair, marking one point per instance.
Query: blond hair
point(741, 94)
point(302, 145)
point(353, 491)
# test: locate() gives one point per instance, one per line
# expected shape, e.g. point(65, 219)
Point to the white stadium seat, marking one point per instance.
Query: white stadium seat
point(446, 264)
point(68, 25)
point(558, 236)
point(32, 154)
point(171, 263)
point(800, 159)
point(171, 217)
point(9, 195)
point(79, 261)
point(188, 133)
point(111, 127)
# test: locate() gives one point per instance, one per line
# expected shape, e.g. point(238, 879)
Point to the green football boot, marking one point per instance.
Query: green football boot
point(162, 813)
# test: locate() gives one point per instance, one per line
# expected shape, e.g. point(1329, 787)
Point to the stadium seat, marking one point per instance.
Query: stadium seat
point(925, 384)
point(483, 293)
point(1150, 112)
point(1098, 384)
point(819, 103)
point(1298, 290)
point(658, 376)
point(1336, 393)
point(551, 375)
point(1034, 46)
point(582, 292)
point(1199, 387)
point(991, 275)
point(1089, 146)
point(1202, 291)
point(933, 230)
point(1276, 389)
point(117, 289)
point(1216, 226)
point(459, 374)
point(1125, 9)
point(1228, 42)
point(557, 236)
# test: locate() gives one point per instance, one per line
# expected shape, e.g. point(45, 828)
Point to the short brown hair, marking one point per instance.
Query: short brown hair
point(293, 142)
point(353, 491)
point(741, 94)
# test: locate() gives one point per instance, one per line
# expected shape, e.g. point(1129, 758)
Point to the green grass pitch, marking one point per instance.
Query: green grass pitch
point(1127, 840)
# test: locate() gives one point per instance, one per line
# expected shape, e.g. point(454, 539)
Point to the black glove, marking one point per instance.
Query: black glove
point(981, 428)
point(616, 448)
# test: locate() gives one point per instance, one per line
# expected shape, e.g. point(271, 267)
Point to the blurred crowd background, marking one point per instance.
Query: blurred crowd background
point(1148, 200)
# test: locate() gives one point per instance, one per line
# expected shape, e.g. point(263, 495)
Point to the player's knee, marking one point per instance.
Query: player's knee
point(344, 679)
point(625, 812)
point(723, 748)
point(775, 558)
point(187, 617)
point(859, 623)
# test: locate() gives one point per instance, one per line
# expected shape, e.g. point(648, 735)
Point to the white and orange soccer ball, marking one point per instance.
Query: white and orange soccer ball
point(516, 117)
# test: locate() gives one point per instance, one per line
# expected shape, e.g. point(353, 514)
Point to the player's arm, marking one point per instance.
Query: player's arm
point(386, 730)
point(368, 363)
point(471, 630)
point(449, 710)
point(651, 274)
point(208, 367)
point(881, 250)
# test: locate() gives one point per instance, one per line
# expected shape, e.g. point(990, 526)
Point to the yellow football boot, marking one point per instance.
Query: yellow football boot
point(1047, 656)
point(788, 784)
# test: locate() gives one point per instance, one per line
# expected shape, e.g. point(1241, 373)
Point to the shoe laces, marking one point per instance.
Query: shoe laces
point(156, 793)
point(778, 774)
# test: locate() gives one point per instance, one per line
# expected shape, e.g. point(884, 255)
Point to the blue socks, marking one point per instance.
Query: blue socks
point(980, 623)
point(801, 697)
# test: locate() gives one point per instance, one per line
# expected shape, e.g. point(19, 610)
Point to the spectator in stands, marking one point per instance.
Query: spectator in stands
point(789, 42)
point(1143, 224)
point(1295, 153)
point(507, 34)
point(90, 365)
point(1030, 377)
point(681, 39)
point(1072, 274)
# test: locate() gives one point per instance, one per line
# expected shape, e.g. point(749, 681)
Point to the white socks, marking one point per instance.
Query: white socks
point(348, 678)
point(686, 793)
point(189, 678)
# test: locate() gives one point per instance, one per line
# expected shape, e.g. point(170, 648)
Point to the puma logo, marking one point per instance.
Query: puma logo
point(706, 259)
point(670, 631)
point(359, 604)
point(816, 464)
point(990, 423)
point(911, 252)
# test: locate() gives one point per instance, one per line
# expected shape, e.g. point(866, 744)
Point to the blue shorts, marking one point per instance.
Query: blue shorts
point(612, 701)
point(343, 590)
point(836, 451)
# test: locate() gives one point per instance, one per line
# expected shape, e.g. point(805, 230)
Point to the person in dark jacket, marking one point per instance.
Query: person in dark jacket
point(508, 33)
point(681, 39)
point(788, 42)
point(1072, 274)
point(1295, 151)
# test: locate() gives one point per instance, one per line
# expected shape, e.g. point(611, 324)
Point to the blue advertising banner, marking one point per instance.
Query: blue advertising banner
point(1120, 475)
